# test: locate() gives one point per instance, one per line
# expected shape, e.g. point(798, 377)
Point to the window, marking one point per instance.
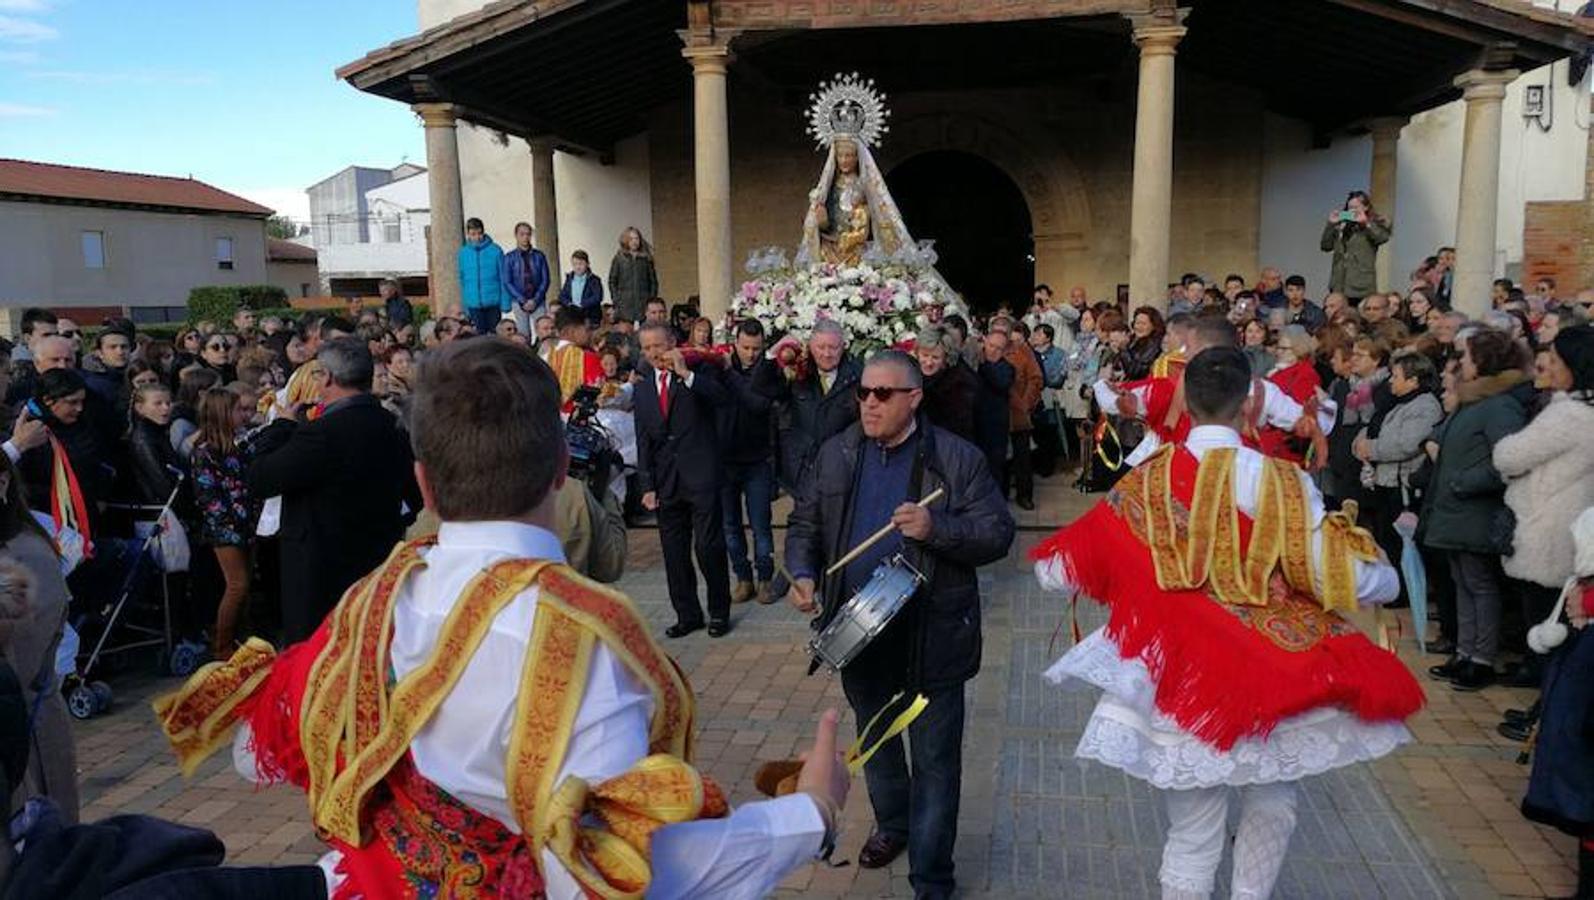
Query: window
point(304, 288)
point(224, 253)
point(390, 233)
point(93, 249)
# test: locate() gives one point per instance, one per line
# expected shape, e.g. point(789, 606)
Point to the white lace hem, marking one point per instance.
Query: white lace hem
point(1127, 732)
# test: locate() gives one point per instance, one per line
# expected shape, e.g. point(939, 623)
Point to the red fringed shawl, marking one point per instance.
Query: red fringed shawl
point(1223, 672)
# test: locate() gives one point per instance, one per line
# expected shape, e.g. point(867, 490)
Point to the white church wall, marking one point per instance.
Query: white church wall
point(596, 201)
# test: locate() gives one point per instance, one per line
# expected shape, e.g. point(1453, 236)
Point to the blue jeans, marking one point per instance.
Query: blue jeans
point(755, 482)
point(922, 805)
point(483, 318)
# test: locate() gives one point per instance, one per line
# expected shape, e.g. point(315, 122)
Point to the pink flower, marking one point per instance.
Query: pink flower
point(750, 290)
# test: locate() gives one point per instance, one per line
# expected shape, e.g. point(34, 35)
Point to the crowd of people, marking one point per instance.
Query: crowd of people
point(285, 453)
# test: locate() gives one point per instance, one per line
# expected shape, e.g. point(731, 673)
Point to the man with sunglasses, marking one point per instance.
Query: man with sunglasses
point(872, 473)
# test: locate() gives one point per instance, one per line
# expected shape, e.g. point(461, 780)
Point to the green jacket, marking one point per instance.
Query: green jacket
point(1466, 491)
point(1355, 250)
point(632, 280)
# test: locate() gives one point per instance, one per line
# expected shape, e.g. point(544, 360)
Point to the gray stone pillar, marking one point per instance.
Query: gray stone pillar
point(545, 203)
point(447, 202)
point(1151, 195)
point(1477, 212)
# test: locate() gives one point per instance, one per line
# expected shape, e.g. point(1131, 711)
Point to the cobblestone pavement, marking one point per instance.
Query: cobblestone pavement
point(1436, 820)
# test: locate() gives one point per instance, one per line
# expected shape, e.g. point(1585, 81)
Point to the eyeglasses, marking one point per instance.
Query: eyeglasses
point(67, 334)
point(880, 394)
point(221, 347)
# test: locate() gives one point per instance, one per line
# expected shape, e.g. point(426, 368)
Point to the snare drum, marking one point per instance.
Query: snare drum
point(862, 618)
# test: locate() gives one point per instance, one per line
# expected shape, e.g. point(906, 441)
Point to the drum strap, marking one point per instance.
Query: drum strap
point(859, 754)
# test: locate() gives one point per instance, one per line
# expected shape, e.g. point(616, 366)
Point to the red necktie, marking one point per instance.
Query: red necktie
point(664, 394)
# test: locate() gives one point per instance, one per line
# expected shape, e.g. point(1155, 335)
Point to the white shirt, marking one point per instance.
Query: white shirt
point(463, 748)
point(1278, 409)
point(1376, 582)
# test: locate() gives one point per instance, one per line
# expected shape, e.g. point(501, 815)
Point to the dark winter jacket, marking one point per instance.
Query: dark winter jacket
point(1466, 493)
point(632, 280)
point(949, 398)
point(526, 276)
point(811, 418)
point(746, 423)
point(935, 641)
point(151, 453)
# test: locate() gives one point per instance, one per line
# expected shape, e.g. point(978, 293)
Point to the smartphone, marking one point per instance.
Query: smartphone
point(34, 409)
point(1346, 215)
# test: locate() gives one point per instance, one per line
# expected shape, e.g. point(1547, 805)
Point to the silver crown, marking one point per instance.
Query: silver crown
point(847, 106)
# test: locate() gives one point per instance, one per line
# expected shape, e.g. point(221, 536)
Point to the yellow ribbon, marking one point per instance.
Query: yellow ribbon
point(858, 755)
point(602, 833)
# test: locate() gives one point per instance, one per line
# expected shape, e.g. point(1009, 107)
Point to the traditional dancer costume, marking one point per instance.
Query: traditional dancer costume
point(474, 719)
point(1273, 415)
point(575, 366)
point(1224, 661)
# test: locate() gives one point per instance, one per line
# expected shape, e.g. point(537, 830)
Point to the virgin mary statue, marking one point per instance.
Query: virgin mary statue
point(850, 208)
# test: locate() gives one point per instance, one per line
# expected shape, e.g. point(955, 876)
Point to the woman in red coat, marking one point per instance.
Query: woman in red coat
point(1297, 377)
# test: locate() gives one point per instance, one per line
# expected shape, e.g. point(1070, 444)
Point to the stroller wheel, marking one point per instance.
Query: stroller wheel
point(185, 659)
point(102, 695)
point(81, 702)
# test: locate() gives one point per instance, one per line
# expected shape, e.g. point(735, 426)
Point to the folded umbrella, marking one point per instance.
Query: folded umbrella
point(1415, 576)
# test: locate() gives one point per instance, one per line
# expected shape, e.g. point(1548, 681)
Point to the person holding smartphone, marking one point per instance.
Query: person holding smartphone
point(1353, 234)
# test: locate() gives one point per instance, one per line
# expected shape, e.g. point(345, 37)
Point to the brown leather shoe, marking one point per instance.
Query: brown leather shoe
point(762, 594)
point(743, 592)
point(880, 850)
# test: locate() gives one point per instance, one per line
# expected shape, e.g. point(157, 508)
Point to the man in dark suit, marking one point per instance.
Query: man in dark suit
point(678, 463)
point(347, 482)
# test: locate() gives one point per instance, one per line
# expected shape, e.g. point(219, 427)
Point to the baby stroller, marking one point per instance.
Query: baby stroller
point(140, 616)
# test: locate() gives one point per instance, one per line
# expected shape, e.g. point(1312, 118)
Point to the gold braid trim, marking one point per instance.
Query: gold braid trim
point(1161, 535)
point(1297, 550)
point(201, 715)
point(417, 696)
point(1344, 542)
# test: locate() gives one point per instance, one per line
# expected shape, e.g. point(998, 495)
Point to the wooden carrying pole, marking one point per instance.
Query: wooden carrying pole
point(878, 536)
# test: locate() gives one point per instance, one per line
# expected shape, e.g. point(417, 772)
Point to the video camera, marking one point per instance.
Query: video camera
point(592, 453)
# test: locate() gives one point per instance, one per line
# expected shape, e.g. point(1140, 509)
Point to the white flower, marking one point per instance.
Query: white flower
point(780, 321)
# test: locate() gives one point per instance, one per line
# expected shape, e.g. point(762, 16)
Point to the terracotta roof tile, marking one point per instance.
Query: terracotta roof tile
point(279, 250)
point(35, 179)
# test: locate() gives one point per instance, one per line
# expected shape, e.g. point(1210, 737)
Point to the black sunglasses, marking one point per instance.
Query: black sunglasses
point(881, 394)
point(68, 334)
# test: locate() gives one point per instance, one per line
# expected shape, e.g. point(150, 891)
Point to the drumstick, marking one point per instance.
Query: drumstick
point(875, 538)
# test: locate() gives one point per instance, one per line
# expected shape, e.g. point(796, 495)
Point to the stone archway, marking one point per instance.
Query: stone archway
point(1052, 186)
point(979, 221)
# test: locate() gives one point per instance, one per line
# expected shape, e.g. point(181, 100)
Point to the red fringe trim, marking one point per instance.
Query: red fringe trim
point(273, 714)
point(1216, 676)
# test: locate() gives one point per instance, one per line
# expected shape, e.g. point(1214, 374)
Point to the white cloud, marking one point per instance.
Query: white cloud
point(23, 111)
point(25, 31)
point(287, 201)
point(24, 6)
point(19, 57)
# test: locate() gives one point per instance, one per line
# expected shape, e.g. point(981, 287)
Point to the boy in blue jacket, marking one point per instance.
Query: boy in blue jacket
point(482, 287)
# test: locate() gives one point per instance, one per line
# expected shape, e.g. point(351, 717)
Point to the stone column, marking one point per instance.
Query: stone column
point(545, 204)
point(1151, 199)
point(712, 161)
point(1477, 211)
point(1381, 185)
point(447, 202)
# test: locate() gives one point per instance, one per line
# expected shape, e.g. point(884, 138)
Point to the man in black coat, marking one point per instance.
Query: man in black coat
point(678, 470)
point(347, 482)
point(872, 473)
point(818, 405)
point(747, 434)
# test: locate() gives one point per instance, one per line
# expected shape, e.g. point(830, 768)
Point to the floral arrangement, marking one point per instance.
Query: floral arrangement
point(883, 301)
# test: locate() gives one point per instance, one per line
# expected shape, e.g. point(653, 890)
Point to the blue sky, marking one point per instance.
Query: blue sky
point(239, 93)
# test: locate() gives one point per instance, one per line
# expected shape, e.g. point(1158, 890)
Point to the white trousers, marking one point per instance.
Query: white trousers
point(1197, 826)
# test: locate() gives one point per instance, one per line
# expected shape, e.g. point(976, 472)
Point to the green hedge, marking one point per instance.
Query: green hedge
point(217, 303)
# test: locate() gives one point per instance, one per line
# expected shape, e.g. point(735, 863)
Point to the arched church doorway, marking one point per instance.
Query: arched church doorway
point(979, 221)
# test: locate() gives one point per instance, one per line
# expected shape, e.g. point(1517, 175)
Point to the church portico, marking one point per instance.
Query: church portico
point(1133, 135)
